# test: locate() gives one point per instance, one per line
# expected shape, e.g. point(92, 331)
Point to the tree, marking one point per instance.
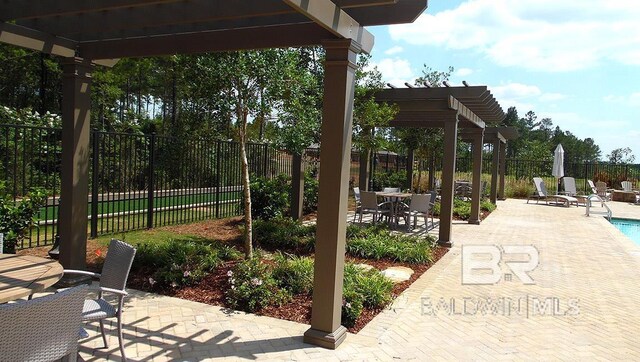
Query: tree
point(621, 155)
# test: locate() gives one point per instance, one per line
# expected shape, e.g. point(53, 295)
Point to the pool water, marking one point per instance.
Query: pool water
point(629, 227)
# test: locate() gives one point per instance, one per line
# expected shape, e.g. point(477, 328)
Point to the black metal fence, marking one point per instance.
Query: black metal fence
point(142, 181)
point(137, 181)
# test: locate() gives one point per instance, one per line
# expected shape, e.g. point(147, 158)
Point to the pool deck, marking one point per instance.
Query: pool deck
point(583, 304)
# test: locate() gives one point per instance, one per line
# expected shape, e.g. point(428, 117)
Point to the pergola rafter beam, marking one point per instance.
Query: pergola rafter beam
point(19, 9)
point(36, 40)
point(100, 24)
point(229, 40)
point(335, 20)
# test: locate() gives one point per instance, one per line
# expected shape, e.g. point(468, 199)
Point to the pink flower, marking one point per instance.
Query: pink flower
point(186, 273)
point(152, 281)
point(229, 273)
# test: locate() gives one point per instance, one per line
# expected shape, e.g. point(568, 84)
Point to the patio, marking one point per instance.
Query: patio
point(584, 260)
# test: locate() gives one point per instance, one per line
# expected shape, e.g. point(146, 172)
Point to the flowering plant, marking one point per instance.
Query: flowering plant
point(252, 286)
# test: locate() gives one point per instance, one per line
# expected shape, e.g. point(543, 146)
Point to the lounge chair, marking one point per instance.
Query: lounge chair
point(542, 194)
point(594, 190)
point(571, 190)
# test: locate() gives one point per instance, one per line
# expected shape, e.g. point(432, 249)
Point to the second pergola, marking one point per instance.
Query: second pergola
point(460, 111)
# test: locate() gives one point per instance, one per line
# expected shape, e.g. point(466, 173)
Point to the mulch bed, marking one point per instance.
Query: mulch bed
point(211, 289)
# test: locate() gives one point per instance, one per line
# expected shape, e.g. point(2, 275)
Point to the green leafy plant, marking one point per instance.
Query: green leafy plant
point(284, 232)
point(252, 286)
point(269, 197)
point(486, 205)
point(17, 217)
point(311, 187)
point(363, 288)
point(462, 208)
point(389, 179)
point(177, 263)
point(294, 273)
point(378, 243)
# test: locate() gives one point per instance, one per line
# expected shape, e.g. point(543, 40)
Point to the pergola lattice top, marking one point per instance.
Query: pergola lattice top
point(430, 107)
point(110, 29)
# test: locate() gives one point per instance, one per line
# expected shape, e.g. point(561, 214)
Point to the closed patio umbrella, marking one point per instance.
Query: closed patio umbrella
point(558, 164)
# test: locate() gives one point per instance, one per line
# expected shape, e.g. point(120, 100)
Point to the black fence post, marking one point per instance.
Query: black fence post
point(151, 186)
point(95, 164)
point(218, 177)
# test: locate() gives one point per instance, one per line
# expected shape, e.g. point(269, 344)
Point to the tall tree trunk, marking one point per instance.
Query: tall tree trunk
point(248, 225)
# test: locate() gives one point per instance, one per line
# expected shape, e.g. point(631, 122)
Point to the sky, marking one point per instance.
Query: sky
point(574, 61)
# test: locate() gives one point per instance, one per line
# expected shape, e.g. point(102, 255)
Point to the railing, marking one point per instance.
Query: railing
point(597, 198)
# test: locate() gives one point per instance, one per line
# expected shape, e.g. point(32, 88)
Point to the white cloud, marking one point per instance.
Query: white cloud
point(541, 35)
point(552, 97)
point(395, 71)
point(632, 100)
point(394, 50)
point(463, 72)
point(515, 90)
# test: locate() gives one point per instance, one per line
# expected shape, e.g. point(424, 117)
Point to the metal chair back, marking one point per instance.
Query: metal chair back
point(42, 329)
point(117, 265)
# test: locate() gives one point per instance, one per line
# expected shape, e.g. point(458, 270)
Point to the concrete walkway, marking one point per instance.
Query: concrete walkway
point(582, 304)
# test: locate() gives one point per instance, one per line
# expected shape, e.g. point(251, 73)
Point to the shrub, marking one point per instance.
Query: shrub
point(284, 232)
point(378, 243)
point(178, 263)
point(486, 205)
point(252, 286)
point(462, 209)
point(16, 218)
point(521, 188)
point(363, 288)
point(269, 198)
point(294, 273)
point(389, 179)
point(311, 187)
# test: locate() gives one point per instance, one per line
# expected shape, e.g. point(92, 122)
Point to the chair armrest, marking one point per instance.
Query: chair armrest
point(81, 272)
point(115, 291)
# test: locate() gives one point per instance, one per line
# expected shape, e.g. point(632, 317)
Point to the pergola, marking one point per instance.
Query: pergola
point(451, 108)
point(85, 33)
point(497, 137)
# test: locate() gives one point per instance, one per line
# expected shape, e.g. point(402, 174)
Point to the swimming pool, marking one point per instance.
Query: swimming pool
point(629, 227)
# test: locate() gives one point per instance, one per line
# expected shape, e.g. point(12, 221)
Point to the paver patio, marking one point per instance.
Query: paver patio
point(586, 268)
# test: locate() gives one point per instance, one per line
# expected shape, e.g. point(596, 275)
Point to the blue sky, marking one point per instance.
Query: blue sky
point(574, 61)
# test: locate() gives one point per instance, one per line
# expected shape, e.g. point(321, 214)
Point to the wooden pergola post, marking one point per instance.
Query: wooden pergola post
point(448, 173)
point(74, 191)
point(476, 191)
point(494, 171)
point(335, 153)
point(503, 167)
point(297, 187)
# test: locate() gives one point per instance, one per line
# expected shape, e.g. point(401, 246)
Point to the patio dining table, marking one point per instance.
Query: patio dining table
point(23, 275)
point(395, 198)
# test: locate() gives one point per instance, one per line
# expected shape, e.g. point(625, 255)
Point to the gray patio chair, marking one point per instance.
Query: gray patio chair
point(420, 205)
point(42, 329)
point(113, 279)
point(370, 205)
point(542, 194)
point(356, 195)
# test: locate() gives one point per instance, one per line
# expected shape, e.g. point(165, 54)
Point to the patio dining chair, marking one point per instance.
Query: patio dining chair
point(356, 196)
point(42, 329)
point(420, 205)
point(370, 205)
point(113, 280)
